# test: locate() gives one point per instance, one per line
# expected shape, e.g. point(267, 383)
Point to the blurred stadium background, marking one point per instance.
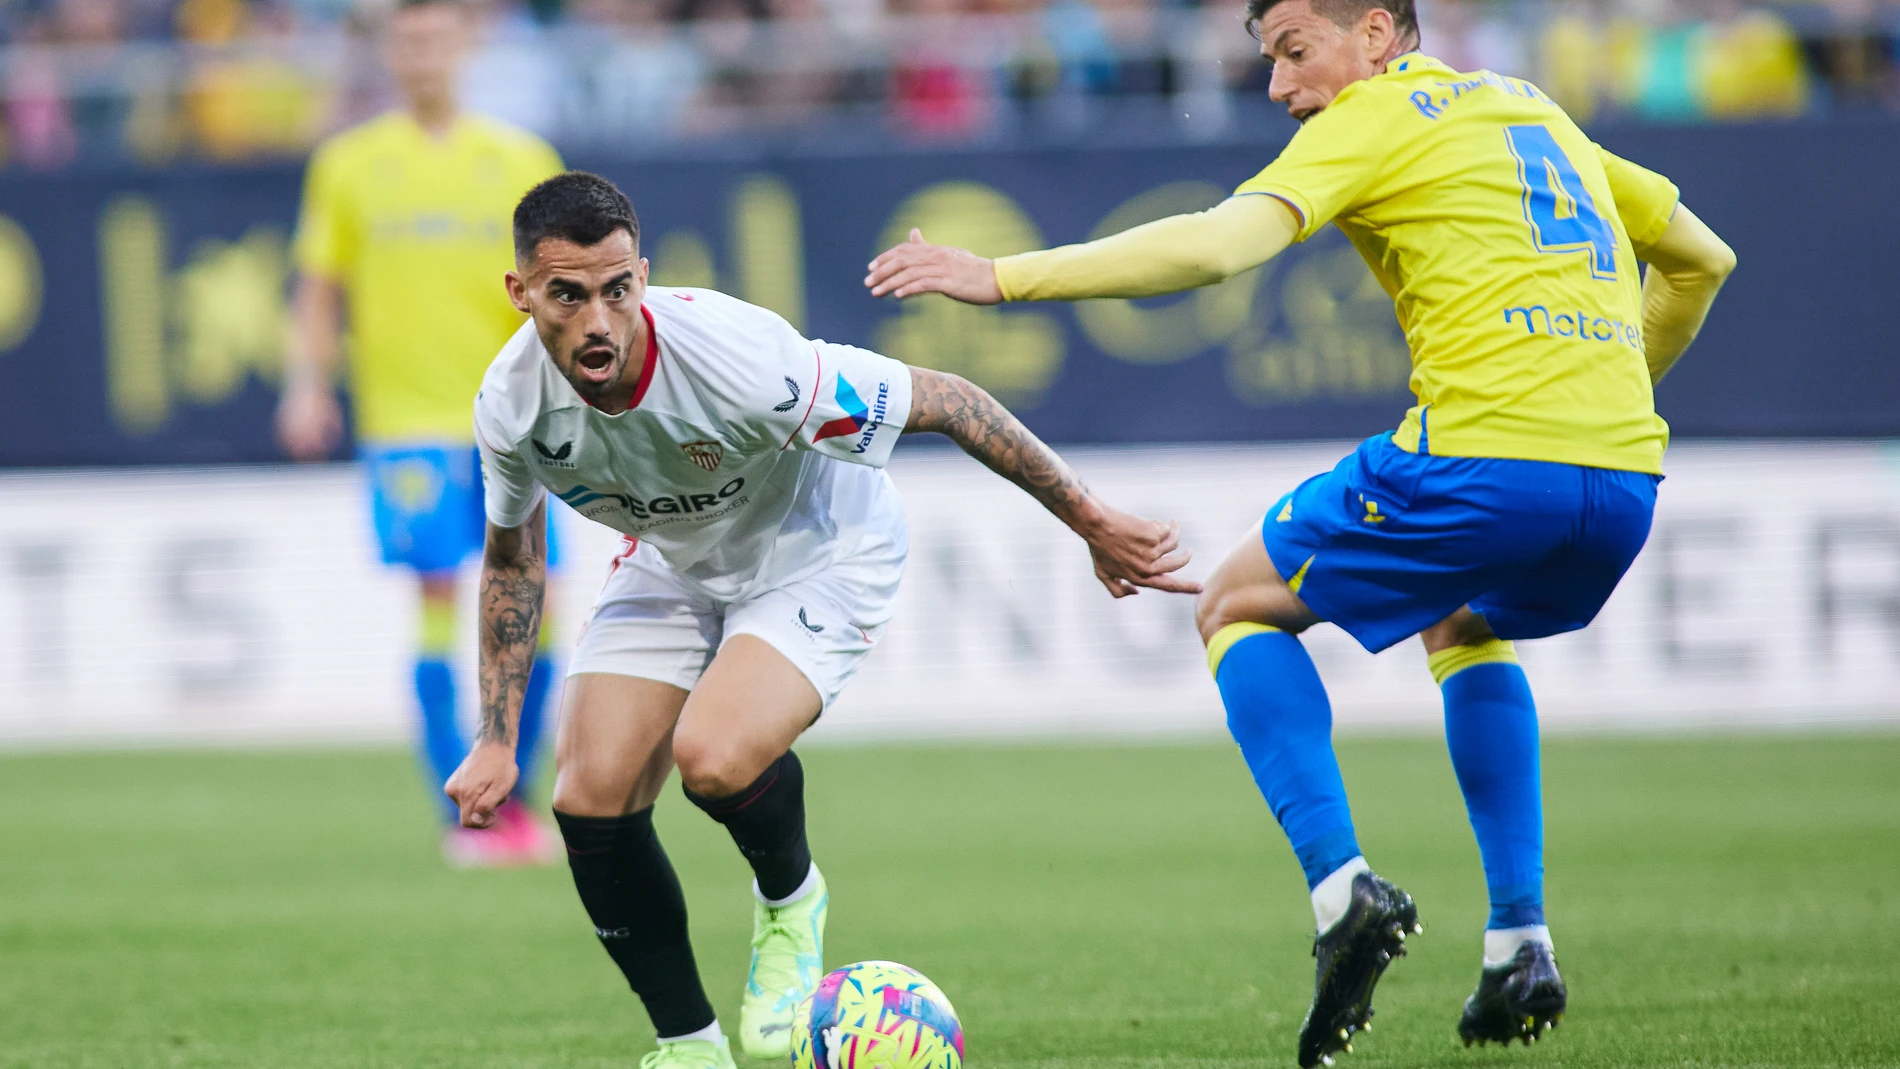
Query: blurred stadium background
point(166, 576)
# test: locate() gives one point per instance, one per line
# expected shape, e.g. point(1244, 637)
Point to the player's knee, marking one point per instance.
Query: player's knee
point(579, 795)
point(1207, 614)
point(1272, 604)
point(713, 768)
point(439, 587)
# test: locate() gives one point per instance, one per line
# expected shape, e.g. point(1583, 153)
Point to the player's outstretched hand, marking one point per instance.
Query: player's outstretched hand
point(487, 775)
point(309, 421)
point(1132, 551)
point(917, 266)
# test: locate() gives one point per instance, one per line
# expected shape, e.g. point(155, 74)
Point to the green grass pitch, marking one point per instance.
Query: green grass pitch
point(1716, 901)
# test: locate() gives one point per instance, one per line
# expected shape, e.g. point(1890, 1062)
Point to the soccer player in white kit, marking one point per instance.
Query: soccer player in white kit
point(763, 550)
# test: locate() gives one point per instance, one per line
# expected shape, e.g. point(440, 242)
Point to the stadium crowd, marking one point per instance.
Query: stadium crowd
point(106, 81)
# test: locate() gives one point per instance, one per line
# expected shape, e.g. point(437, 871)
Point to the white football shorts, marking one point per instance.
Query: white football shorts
point(651, 624)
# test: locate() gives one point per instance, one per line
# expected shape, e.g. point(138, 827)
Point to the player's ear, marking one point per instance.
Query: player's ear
point(1377, 30)
point(517, 291)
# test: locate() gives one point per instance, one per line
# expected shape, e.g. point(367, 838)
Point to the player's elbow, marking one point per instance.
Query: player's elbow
point(513, 549)
point(939, 400)
point(1235, 259)
point(1718, 261)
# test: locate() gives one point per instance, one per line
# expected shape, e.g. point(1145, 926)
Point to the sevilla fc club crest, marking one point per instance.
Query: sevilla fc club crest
point(704, 453)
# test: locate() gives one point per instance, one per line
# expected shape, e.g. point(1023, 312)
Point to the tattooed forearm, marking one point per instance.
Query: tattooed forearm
point(953, 406)
point(514, 580)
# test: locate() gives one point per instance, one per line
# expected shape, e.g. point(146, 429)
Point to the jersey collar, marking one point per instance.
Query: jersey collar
point(449, 136)
point(1411, 61)
point(653, 360)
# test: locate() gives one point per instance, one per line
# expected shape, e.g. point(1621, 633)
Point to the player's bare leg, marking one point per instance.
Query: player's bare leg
point(733, 745)
point(1250, 618)
point(612, 757)
point(1491, 730)
point(614, 748)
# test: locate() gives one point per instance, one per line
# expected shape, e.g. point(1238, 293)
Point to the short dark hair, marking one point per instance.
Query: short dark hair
point(1344, 13)
point(577, 206)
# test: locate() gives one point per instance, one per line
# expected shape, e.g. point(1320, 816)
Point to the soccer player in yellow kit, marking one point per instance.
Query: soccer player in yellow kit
point(405, 229)
point(1507, 504)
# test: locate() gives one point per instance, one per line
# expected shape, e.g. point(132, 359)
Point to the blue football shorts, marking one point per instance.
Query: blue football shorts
point(1389, 542)
point(426, 502)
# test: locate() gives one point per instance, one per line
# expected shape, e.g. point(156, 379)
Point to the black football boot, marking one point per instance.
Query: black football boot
point(1352, 955)
point(1520, 999)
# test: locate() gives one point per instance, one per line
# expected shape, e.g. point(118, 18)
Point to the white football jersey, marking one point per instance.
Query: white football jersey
point(748, 459)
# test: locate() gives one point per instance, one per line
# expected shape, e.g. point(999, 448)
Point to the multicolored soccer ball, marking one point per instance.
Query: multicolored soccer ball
point(876, 1015)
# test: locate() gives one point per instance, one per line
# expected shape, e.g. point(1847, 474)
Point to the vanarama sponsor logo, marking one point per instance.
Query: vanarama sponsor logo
point(1579, 324)
point(596, 503)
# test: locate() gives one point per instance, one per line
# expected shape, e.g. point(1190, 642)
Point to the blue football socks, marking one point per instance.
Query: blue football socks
point(1491, 729)
point(533, 718)
point(1278, 712)
point(442, 745)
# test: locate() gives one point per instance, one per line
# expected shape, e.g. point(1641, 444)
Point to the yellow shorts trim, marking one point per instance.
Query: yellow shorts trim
point(1225, 638)
point(1299, 578)
point(1455, 659)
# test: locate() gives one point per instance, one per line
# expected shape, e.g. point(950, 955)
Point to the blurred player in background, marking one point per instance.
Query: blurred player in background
point(405, 230)
point(1509, 502)
point(764, 547)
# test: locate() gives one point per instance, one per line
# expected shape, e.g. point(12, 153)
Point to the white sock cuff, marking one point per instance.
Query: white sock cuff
point(810, 885)
point(710, 1033)
point(1332, 896)
point(1500, 944)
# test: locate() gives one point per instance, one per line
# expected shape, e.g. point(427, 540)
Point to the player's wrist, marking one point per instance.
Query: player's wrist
point(495, 743)
point(1088, 517)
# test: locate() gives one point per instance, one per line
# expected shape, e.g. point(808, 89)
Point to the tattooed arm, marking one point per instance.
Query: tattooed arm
point(1129, 551)
point(514, 580)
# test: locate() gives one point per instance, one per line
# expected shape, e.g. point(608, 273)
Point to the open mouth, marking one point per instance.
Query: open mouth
point(595, 363)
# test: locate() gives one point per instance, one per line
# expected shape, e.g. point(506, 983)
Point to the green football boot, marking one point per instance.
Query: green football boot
point(788, 953)
point(691, 1054)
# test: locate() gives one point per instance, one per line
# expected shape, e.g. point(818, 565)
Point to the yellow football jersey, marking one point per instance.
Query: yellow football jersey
point(1503, 235)
point(418, 231)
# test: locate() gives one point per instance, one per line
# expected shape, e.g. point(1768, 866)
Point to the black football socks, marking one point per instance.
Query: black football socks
point(639, 913)
point(767, 820)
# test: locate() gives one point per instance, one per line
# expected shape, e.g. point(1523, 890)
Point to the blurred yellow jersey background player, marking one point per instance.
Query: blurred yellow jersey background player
point(1507, 503)
point(405, 233)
